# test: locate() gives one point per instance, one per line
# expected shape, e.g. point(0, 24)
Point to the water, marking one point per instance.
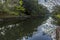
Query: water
point(16, 30)
point(46, 31)
point(29, 29)
point(49, 28)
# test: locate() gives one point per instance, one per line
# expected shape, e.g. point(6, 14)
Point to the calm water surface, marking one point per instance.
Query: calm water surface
point(23, 30)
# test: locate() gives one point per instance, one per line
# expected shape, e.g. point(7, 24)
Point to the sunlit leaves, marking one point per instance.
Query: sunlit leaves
point(20, 8)
point(12, 9)
point(21, 2)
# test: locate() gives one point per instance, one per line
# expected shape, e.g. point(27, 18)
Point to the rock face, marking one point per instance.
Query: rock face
point(49, 3)
point(58, 33)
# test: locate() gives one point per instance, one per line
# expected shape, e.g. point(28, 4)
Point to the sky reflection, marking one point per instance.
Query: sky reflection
point(39, 36)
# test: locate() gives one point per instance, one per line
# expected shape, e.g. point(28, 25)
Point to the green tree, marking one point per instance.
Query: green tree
point(12, 7)
point(20, 9)
point(56, 14)
point(33, 8)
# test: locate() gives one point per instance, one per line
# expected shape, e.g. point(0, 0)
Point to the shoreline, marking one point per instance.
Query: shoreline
point(11, 18)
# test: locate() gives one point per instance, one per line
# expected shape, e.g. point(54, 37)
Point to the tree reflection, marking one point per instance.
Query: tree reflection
point(20, 29)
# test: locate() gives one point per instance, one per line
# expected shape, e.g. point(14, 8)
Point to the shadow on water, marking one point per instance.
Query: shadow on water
point(13, 30)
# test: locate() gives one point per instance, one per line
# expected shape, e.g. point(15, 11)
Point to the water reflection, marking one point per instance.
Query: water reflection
point(40, 37)
point(16, 30)
point(46, 31)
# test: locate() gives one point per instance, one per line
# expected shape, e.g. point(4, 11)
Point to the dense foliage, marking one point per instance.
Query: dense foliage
point(56, 14)
point(23, 7)
point(33, 8)
point(11, 7)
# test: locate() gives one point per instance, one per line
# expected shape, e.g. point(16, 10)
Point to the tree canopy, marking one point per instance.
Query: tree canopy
point(12, 7)
point(56, 14)
point(23, 7)
point(33, 8)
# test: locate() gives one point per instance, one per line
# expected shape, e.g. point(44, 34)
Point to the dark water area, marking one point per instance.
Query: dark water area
point(17, 30)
